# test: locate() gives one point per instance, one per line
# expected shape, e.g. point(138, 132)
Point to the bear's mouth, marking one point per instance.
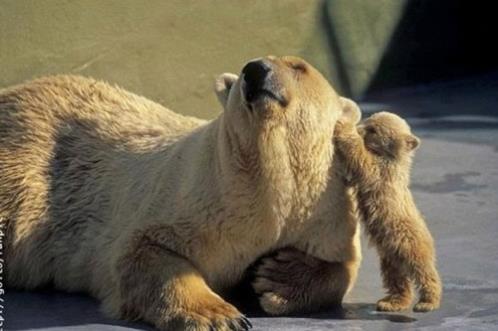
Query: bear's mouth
point(259, 85)
point(253, 95)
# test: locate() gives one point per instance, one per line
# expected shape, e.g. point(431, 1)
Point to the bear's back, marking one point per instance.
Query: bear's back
point(53, 120)
point(109, 110)
point(63, 141)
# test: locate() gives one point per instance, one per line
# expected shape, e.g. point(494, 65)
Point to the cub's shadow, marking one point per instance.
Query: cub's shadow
point(244, 298)
point(362, 311)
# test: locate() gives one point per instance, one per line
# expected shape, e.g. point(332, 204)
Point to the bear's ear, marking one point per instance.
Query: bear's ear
point(350, 110)
point(412, 142)
point(222, 86)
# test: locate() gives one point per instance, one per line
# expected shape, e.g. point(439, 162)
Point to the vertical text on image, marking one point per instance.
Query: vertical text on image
point(2, 290)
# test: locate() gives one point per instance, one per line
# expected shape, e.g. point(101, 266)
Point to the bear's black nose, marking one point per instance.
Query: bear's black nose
point(255, 78)
point(255, 74)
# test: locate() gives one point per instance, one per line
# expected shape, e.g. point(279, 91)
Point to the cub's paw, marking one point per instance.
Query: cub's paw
point(350, 110)
point(282, 281)
point(425, 306)
point(208, 316)
point(393, 303)
point(343, 126)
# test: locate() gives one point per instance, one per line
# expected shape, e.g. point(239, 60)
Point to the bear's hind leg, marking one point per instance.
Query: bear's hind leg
point(292, 281)
point(163, 288)
point(430, 288)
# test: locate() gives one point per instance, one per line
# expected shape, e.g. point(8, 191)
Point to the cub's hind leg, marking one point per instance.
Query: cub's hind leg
point(398, 285)
point(429, 285)
point(411, 263)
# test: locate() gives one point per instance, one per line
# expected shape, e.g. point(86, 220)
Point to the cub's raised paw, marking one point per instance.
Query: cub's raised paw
point(424, 306)
point(393, 303)
point(344, 126)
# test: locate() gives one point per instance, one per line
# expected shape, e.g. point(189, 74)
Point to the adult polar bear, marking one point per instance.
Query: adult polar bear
point(153, 212)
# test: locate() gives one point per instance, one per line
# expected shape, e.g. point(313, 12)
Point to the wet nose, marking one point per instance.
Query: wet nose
point(255, 72)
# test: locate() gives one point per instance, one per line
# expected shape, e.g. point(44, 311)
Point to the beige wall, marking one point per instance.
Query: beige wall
point(169, 51)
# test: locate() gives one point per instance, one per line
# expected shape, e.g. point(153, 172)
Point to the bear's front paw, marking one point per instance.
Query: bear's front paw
point(206, 316)
point(281, 280)
point(393, 303)
point(425, 306)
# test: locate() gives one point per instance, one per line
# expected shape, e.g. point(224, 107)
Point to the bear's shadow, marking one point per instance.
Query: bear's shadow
point(49, 308)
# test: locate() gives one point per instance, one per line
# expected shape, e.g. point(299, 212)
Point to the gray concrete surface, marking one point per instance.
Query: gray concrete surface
point(455, 183)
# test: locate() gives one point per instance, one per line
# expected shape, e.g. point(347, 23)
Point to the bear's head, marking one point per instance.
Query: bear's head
point(282, 101)
point(388, 135)
point(278, 122)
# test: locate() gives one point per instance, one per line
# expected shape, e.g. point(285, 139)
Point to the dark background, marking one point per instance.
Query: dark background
point(439, 41)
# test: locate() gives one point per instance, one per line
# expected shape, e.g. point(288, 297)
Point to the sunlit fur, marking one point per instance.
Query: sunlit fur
point(377, 158)
point(155, 213)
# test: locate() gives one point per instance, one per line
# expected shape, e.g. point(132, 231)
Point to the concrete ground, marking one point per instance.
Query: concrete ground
point(455, 183)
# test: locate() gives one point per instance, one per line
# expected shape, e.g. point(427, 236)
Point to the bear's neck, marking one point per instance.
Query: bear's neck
point(397, 172)
point(284, 181)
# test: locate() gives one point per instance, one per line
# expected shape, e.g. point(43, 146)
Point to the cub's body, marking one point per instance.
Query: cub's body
point(376, 159)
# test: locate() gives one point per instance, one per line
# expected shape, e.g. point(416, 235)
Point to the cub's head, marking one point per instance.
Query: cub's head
point(280, 101)
point(387, 134)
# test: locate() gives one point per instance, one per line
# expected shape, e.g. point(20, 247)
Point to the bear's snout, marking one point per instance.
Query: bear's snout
point(255, 75)
point(255, 72)
point(258, 82)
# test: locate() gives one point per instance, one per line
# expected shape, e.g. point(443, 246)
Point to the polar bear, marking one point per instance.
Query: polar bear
point(158, 214)
point(377, 157)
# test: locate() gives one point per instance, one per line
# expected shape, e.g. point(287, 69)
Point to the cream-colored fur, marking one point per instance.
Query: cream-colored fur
point(291, 281)
point(155, 213)
point(376, 159)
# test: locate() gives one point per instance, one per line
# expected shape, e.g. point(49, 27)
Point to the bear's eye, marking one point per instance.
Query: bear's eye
point(298, 66)
point(370, 130)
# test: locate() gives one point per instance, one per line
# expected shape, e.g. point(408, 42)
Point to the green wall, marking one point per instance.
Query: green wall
point(169, 51)
point(172, 50)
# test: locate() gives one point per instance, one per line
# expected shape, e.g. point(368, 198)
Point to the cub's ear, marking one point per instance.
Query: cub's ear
point(222, 86)
point(350, 110)
point(412, 142)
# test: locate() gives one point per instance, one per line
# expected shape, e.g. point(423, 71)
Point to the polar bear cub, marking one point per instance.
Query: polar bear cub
point(376, 159)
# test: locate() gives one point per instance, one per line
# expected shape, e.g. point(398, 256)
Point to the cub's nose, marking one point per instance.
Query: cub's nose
point(255, 73)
